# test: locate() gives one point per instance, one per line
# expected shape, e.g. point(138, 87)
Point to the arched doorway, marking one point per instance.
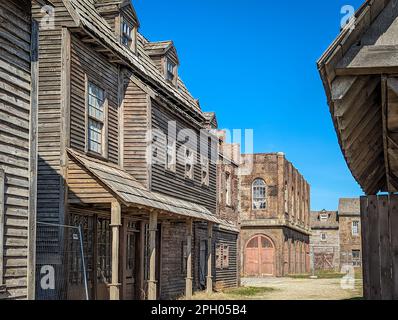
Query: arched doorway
point(259, 257)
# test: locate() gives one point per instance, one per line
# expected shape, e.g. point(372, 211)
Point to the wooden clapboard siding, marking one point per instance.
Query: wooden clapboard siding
point(15, 100)
point(90, 65)
point(177, 185)
point(227, 278)
point(83, 187)
point(136, 125)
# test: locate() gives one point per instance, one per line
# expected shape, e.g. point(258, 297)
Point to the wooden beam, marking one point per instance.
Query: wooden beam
point(394, 243)
point(152, 283)
point(33, 136)
point(2, 220)
point(365, 245)
point(374, 249)
point(370, 60)
point(116, 223)
point(384, 112)
point(209, 278)
point(188, 279)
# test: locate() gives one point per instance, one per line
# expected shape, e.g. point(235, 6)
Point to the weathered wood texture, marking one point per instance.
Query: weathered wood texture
point(136, 122)
point(15, 99)
point(380, 246)
point(177, 185)
point(90, 66)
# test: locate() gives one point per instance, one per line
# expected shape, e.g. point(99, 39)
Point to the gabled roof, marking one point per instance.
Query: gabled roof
point(160, 48)
point(125, 188)
point(93, 23)
point(211, 119)
point(112, 5)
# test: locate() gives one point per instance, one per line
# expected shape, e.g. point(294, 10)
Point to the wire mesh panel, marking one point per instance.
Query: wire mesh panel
point(60, 263)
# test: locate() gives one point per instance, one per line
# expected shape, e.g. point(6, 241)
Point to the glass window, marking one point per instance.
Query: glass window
point(259, 194)
point(96, 110)
point(222, 256)
point(323, 236)
point(126, 34)
point(170, 70)
point(171, 155)
point(205, 170)
point(355, 228)
point(228, 198)
point(189, 163)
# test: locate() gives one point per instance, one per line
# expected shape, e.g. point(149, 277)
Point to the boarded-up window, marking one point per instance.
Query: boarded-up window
point(222, 256)
point(171, 155)
point(189, 163)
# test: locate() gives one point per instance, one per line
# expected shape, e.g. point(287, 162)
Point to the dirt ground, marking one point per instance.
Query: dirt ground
point(288, 289)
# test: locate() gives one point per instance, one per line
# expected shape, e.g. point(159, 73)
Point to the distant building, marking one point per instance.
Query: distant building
point(324, 240)
point(274, 210)
point(350, 232)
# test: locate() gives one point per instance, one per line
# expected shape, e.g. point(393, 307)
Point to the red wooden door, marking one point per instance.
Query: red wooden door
point(259, 257)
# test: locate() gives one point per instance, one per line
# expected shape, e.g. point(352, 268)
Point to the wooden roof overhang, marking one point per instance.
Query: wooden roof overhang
point(94, 30)
point(93, 181)
point(358, 72)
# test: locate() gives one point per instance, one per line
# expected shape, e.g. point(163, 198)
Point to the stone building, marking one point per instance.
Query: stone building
point(324, 240)
point(350, 232)
point(275, 214)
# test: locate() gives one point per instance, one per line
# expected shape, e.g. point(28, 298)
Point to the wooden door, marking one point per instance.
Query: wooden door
point(130, 261)
point(259, 257)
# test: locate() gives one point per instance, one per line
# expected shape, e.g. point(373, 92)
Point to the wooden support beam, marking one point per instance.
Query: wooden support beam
point(374, 249)
point(116, 223)
point(188, 279)
point(2, 219)
point(365, 245)
point(394, 243)
point(370, 60)
point(384, 108)
point(153, 224)
point(209, 278)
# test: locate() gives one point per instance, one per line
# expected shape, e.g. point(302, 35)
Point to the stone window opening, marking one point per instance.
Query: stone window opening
point(355, 228)
point(259, 189)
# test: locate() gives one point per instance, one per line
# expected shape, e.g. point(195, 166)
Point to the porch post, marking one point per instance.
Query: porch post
point(209, 278)
point(188, 280)
point(153, 224)
point(116, 222)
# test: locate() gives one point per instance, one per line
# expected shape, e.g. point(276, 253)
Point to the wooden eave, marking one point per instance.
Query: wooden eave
point(352, 79)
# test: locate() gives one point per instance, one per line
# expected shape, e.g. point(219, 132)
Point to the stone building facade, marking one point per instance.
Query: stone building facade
point(350, 232)
point(275, 216)
point(324, 240)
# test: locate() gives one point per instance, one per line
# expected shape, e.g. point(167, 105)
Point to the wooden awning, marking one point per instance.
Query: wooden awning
point(109, 181)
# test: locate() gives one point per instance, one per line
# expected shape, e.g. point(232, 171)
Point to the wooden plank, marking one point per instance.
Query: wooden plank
point(2, 214)
point(385, 253)
point(33, 165)
point(365, 246)
point(374, 249)
point(394, 243)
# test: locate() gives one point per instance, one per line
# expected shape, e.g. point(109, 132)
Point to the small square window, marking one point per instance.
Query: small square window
point(323, 237)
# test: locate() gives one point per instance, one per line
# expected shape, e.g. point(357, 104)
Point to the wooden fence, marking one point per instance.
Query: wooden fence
point(380, 246)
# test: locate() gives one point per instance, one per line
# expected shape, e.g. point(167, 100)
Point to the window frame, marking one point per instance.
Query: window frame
point(265, 194)
point(353, 227)
point(104, 121)
point(205, 168)
point(323, 237)
point(189, 161)
point(132, 37)
point(222, 254)
point(228, 189)
point(171, 166)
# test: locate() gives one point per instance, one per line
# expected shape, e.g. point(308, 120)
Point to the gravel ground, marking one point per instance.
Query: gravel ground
point(292, 289)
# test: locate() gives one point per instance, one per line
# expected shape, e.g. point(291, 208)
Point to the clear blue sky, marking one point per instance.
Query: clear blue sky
point(254, 63)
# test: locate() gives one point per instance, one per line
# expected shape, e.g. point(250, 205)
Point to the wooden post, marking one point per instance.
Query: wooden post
point(2, 219)
point(153, 224)
point(374, 249)
point(116, 222)
point(365, 246)
point(188, 280)
point(209, 278)
point(394, 243)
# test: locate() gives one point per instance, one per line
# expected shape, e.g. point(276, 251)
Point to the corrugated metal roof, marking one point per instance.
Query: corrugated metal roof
point(130, 192)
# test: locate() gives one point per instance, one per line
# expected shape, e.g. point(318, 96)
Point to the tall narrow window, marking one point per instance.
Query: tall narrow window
point(171, 155)
point(204, 161)
point(170, 70)
point(222, 256)
point(96, 119)
point(189, 163)
point(127, 32)
point(355, 228)
point(228, 200)
point(259, 194)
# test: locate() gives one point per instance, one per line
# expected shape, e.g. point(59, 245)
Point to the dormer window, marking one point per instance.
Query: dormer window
point(126, 34)
point(170, 70)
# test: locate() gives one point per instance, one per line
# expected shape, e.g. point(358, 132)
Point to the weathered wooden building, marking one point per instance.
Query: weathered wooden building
point(325, 240)
point(359, 73)
point(18, 112)
point(275, 216)
point(350, 233)
point(123, 152)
